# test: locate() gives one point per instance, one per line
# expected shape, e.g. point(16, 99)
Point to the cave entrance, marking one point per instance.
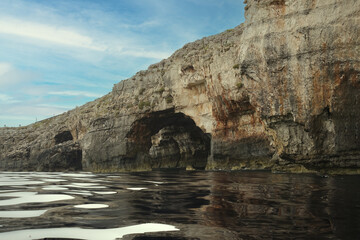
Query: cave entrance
point(169, 140)
point(63, 137)
point(64, 155)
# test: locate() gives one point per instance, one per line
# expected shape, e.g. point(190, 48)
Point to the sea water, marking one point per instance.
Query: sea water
point(178, 205)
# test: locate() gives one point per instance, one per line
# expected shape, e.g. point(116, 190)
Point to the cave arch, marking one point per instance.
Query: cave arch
point(169, 139)
point(63, 137)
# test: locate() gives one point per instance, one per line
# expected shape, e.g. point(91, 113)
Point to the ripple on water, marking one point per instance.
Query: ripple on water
point(85, 185)
point(136, 189)
point(92, 180)
point(248, 205)
point(155, 182)
point(7, 191)
point(106, 193)
point(53, 180)
point(54, 188)
point(21, 214)
point(19, 183)
point(78, 175)
point(91, 206)
point(31, 197)
point(90, 234)
point(83, 193)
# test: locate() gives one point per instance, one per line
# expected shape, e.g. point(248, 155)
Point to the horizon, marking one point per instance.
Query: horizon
point(60, 55)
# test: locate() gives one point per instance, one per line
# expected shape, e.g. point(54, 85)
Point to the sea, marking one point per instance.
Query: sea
point(178, 205)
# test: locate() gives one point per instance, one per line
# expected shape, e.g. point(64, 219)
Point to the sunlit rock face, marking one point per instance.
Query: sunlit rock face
point(304, 71)
point(280, 92)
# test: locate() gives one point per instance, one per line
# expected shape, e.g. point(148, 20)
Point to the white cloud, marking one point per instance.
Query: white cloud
point(48, 33)
point(144, 25)
point(101, 42)
point(146, 54)
point(76, 93)
point(32, 110)
point(7, 99)
point(11, 77)
point(16, 117)
point(5, 68)
point(60, 107)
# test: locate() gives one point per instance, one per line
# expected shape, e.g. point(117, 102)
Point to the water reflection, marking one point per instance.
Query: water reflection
point(203, 205)
point(90, 234)
point(21, 214)
point(54, 188)
point(106, 193)
point(136, 188)
point(31, 197)
point(276, 204)
point(91, 206)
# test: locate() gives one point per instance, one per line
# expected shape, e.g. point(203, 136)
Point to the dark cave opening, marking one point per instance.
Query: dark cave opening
point(169, 140)
point(63, 137)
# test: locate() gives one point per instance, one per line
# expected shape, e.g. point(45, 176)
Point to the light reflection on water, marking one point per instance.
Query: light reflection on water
point(136, 188)
point(106, 193)
point(21, 214)
point(91, 206)
point(54, 188)
point(7, 182)
point(90, 234)
point(203, 205)
point(83, 193)
point(31, 197)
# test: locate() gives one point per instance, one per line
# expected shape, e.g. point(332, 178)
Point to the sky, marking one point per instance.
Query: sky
point(59, 54)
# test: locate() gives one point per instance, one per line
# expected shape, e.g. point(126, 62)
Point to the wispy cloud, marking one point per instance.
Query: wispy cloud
point(76, 93)
point(56, 55)
point(16, 117)
point(48, 33)
point(146, 54)
point(10, 76)
point(4, 68)
point(27, 113)
point(7, 99)
point(103, 42)
point(55, 106)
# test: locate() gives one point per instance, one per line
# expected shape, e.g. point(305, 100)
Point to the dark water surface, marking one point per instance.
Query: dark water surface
point(178, 205)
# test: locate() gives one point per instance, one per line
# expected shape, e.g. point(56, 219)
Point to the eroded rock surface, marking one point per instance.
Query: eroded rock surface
point(280, 91)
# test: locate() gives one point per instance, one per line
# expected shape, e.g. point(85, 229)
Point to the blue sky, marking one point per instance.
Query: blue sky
point(59, 54)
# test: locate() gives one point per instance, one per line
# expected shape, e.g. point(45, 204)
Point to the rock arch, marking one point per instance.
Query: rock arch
point(169, 139)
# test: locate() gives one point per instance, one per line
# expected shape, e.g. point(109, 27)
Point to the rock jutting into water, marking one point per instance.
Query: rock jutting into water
point(280, 91)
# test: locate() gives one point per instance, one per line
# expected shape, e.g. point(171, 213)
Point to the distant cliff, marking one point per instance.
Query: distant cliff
point(281, 91)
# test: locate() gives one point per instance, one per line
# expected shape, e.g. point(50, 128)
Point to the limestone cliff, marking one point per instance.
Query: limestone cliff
point(281, 91)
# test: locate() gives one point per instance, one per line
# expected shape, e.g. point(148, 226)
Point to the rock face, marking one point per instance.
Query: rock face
point(281, 91)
